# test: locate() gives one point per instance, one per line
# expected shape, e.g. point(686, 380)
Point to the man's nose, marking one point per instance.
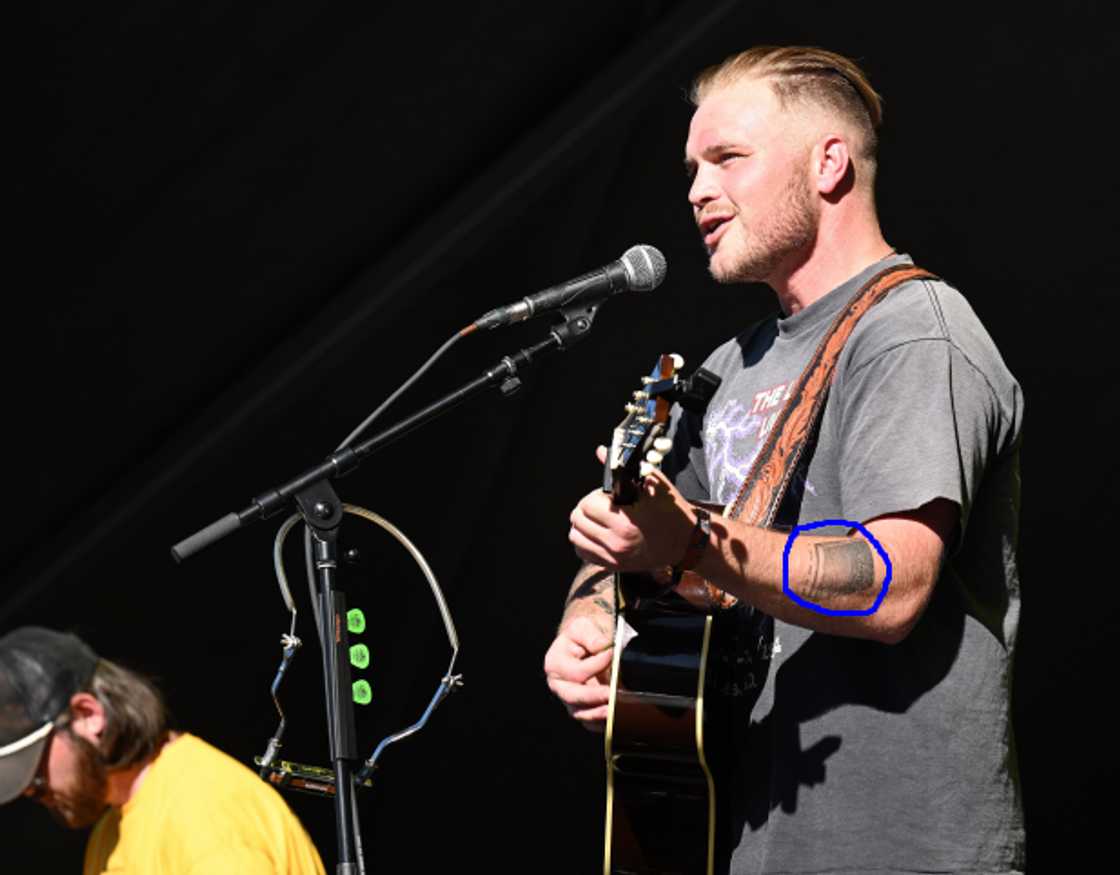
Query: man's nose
point(703, 189)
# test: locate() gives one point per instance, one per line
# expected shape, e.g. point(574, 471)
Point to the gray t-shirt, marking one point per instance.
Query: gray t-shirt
point(860, 756)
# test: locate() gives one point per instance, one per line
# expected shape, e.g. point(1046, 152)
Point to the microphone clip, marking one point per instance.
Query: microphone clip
point(574, 322)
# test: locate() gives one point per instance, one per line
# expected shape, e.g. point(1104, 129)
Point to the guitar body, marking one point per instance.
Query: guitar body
point(661, 796)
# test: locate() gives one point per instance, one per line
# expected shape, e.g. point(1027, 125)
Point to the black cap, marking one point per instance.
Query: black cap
point(40, 670)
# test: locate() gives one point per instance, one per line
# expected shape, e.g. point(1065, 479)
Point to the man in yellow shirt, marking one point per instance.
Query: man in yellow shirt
point(90, 741)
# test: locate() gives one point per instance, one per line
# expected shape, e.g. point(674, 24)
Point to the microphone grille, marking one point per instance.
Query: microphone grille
point(645, 267)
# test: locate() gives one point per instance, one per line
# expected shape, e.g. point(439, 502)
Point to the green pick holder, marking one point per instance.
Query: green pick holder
point(355, 621)
point(359, 656)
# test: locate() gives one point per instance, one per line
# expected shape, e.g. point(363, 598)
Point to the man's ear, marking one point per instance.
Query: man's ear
point(87, 716)
point(832, 163)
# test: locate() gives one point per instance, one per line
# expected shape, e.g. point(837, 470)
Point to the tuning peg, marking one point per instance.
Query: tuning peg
point(678, 361)
point(641, 396)
point(663, 444)
point(647, 380)
point(645, 469)
point(635, 408)
point(654, 458)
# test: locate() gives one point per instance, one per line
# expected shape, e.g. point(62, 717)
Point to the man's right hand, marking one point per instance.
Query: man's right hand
point(577, 666)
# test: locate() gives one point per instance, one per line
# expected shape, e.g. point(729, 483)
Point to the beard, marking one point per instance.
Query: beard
point(84, 802)
point(771, 240)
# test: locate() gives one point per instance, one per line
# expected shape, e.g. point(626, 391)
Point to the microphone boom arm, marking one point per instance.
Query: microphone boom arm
point(505, 375)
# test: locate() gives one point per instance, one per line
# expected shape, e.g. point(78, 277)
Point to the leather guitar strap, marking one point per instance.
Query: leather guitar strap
point(769, 477)
point(765, 485)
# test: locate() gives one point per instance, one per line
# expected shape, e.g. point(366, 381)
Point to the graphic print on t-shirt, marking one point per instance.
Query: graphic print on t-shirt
point(734, 433)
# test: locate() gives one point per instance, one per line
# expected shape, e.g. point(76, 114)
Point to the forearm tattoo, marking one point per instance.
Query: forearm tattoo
point(839, 568)
point(592, 597)
point(597, 590)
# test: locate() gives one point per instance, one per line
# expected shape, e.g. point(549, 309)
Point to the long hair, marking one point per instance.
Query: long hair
point(136, 717)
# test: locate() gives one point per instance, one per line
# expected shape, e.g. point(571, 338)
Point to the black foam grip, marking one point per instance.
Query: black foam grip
point(205, 537)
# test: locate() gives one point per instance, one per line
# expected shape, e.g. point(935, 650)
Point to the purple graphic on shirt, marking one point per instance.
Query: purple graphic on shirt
point(733, 435)
point(731, 442)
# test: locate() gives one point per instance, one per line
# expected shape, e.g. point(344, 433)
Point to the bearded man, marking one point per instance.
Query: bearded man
point(90, 740)
point(877, 736)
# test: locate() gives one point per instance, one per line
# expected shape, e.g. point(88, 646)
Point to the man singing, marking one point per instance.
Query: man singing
point(880, 740)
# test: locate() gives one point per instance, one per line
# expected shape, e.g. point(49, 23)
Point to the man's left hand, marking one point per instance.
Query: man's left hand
point(650, 533)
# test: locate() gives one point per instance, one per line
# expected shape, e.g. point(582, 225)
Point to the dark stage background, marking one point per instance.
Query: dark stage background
point(242, 225)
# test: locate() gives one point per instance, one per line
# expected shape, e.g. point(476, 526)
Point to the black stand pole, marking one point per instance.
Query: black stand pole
point(321, 509)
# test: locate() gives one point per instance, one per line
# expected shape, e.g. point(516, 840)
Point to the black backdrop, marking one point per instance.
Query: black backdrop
point(242, 225)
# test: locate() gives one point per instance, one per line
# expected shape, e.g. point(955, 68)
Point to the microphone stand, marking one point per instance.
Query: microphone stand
point(321, 508)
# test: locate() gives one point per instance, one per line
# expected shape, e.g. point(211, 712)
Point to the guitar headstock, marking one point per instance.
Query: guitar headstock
point(640, 438)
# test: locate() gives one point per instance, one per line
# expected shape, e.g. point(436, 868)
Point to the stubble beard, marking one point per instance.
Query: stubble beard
point(772, 240)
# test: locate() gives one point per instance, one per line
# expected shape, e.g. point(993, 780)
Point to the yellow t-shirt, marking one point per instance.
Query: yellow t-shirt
point(200, 812)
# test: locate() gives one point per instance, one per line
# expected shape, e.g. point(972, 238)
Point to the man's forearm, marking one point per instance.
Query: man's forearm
point(835, 573)
point(592, 595)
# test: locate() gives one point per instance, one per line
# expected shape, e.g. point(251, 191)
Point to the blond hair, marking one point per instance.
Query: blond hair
point(804, 74)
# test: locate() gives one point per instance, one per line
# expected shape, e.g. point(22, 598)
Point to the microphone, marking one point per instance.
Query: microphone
point(640, 269)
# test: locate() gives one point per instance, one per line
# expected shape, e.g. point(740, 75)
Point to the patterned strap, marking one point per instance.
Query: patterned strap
point(765, 486)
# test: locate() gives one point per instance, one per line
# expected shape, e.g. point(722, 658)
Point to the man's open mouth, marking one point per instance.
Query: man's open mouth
point(712, 228)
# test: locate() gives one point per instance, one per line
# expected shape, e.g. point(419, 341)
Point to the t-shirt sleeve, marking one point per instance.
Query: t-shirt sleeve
point(917, 422)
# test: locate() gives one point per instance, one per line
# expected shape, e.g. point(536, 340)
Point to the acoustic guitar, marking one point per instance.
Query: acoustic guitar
point(661, 794)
